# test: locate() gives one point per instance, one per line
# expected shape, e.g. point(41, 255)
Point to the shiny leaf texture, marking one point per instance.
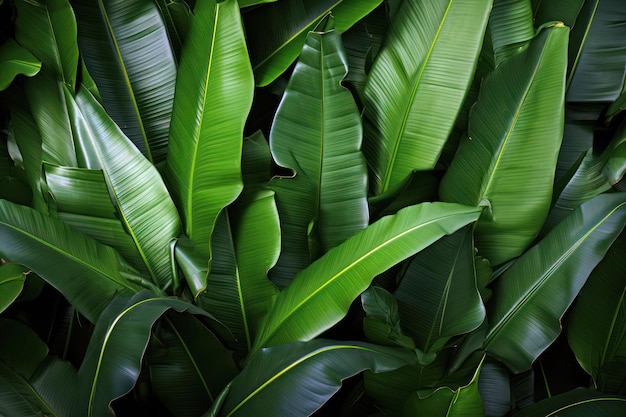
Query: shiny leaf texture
point(417, 85)
point(128, 54)
point(213, 96)
point(16, 60)
point(177, 17)
point(507, 163)
point(310, 371)
point(580, 402)
point(12, 277)
point(321, 294)
point(532, 295)
point(511, 27)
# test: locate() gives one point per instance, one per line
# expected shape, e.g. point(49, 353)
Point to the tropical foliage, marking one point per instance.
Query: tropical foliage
point(312, 207)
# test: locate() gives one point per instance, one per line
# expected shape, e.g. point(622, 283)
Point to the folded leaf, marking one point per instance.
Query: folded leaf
point(12, 279)
point(15, 60)
point(511, 27)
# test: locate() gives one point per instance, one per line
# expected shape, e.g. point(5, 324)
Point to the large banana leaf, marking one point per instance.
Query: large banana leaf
point(136, 188)
point(12, 277)
point(437, 297)
point(86, 272)
point(323, 151)
point(177, 17)
point(417, 85)
point(580, 402)
point(507, 162)
point(532, 295)
point(276, 32)
point(597, 328)
point(213, 96)
point(114, 355)
point(549, 11)
point(31, 382)
point(16, 60)
point(304, 376)
point(47, 28)
point(128, 54)
point(321, 294)
point(511, 27)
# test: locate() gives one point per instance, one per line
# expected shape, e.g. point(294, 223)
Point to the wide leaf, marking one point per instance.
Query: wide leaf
point(12, 277)
point(417, 85)
point(16, 60)
point(532, 295)
point(128, 54)
point(311, 372)
point(511, 27)
point(580, 402)
point(321, 294)
point(507, 162)
point(203, 169)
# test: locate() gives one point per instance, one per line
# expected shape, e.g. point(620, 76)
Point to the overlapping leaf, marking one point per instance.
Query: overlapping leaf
point(12, 277)
point(15, 60)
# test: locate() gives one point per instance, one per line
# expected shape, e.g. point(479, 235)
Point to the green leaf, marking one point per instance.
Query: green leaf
point(597, 329)
point(248, 3)
point(127, 52)
point(511, 27)
point(12, 277)
point(85, 272)
point(310, 372)
point(203, 170)
point(321, 294)
point(276, 32)
point(177, 17)
point(47, 28)
point(524, 311)
point(114, 355)
point(16, 60)
point(323, 151)
point(580, 402)
point(507, 163)
point(417, 85)
point(561, 11)
point(579, 35)
point(136, 188)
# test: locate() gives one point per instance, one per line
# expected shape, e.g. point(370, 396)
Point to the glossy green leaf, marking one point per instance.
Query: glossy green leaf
point(137, 190)
point(311, 372)
point(437, 297)
point(579, 35)
point(248, 3)
point(597, 326)
point(276, 32)
point(128, 54)
point(203, 170)
point(47, 28)
point(531, 296)
point(85, 272)
point(511, 27)
point(417, 85)
point(124, 327)
point(494, 387)
point(177, 17)
point(323, 151)
point(16, 60)
point(580, 402)
point(12, 277)
point(560, 11)
point(507, 163)
point(321, 294)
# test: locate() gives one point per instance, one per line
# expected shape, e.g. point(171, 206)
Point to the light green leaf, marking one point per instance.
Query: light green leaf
point(16, 60)
point(12, 277)
point(417, 85)
point(507, 163)
point(321, 294)
point(511, 27)
point(532, 295)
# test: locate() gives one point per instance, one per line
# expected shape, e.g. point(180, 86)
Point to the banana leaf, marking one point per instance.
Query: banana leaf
point(276, 32)
point(417, 85)
point(31, 382)
point(86, 272)
point(580, 402)
point(511, 27)
point(133, 66)
point(596, 330)
point(125, 327)
point(578, 36)
point(142, 201)
point(561, 11)
point(533, 294)
point(177, 17)
point(494, 387)
point(321, 294)
point(47, 28)
point(16, 60)
point(617, 107)
point(507, 163)
point(310, 372)
point(248, 3)
point(323, 151)
point(203, 168)
point(12, 277)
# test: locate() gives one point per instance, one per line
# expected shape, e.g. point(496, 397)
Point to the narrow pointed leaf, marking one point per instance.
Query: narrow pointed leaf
point(276, 32)
point(12, 277)
point(580, 402)
point(139, 194)
point(16, 60)
point(203, 170)
point(507, 163)
point(321, 294)
point(133, 66)
point(531, 296)
point(84, 271)
point(311, 372)
point(417, 85)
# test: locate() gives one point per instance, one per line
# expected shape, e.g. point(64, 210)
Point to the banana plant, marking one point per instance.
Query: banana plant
point(311, 208)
